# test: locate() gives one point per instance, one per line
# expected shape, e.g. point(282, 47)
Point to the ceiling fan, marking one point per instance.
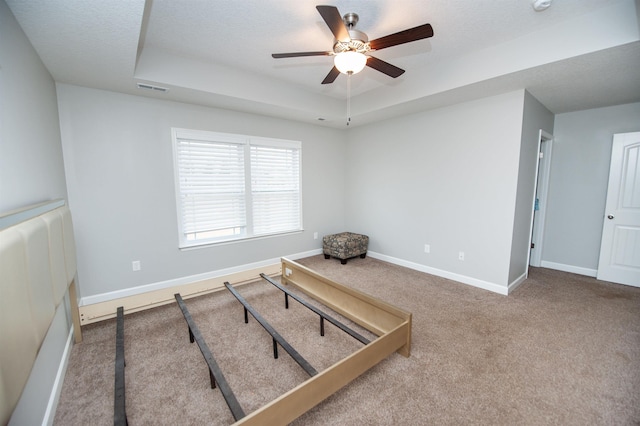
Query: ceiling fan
point(351, 47)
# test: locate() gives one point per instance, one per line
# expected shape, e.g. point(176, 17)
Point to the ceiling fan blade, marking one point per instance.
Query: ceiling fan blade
point(331, 77)
point(384, 67)
point(406, 36)
point(334, 21)
point(297, 54)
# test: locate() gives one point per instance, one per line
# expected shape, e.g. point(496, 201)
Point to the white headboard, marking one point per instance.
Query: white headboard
point(37, 267)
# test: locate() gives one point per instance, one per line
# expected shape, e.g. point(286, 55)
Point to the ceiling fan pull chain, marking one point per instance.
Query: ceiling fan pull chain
point(349, 97)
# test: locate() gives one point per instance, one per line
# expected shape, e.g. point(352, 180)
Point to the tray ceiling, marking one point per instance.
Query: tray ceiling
point(578, 54)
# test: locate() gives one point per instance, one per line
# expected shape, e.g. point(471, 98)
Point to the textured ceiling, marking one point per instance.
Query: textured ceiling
point(577, 54)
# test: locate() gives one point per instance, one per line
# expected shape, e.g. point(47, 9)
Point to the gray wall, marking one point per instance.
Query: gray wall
point(578, 184)
point(31, 168)
point(535, 117)
point(445, 177)
point(119, 162)
point(31, 171)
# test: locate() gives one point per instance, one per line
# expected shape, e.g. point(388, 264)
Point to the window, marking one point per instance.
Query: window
point(231, 187)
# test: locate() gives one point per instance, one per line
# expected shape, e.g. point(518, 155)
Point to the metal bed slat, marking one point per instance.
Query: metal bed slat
point(274, 334)
point(215, 373)
point(119, 410)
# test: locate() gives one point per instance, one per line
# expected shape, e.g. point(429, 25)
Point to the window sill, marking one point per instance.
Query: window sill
point(209, 244)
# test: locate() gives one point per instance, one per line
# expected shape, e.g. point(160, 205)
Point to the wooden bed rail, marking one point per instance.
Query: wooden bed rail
point(102, 311)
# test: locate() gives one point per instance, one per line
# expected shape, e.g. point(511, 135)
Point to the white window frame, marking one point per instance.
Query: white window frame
point(293, 183)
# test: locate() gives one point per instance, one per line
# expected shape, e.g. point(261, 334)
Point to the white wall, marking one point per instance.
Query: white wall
point(31, 171)
point(535, 117)
point(31, 168)
point(446, 178)
point(578, 184)
point(118, 157)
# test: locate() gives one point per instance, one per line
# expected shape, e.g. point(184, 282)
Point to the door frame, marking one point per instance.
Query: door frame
point(540, 191)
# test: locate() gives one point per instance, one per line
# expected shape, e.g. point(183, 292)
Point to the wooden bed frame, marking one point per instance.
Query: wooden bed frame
point(391, 324)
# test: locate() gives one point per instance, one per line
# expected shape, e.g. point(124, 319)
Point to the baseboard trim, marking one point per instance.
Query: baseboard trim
point(485, 285)
point(516, 283)
point(103, 306)
point(570, 268)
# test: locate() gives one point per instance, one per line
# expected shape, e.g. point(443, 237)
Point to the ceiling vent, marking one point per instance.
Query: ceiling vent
point(152, 87)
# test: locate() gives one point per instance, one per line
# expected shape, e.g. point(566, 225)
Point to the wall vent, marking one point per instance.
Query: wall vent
point(152, 87)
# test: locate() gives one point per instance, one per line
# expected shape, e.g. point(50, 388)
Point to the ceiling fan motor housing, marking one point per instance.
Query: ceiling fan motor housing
point(359, 43)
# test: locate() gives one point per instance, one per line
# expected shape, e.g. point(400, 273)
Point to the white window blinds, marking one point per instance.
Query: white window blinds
point(232, 186)
point(275, 188)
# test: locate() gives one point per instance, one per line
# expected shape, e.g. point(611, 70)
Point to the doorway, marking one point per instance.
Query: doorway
point(545, 146)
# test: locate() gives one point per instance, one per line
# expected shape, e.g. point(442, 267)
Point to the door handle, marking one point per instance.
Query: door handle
point(610, 216)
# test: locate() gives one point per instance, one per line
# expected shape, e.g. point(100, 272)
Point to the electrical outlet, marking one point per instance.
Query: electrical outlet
point(461, 255)
point(427, 248)
point(136, 266)
point(287, 272)
point(315, 235)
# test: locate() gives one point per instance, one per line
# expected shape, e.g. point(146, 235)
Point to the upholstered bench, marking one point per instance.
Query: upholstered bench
point(345, 246)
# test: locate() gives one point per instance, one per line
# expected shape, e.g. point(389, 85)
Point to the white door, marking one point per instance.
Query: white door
point(620, 248)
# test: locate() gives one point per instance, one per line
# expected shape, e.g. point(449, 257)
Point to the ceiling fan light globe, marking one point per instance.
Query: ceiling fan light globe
point(350, 62)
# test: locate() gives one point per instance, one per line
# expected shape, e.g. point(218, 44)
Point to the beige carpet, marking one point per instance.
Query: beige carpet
point(562, 349)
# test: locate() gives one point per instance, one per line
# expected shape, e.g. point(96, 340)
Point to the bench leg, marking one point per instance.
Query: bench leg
point(326, 256)
point(343, 261)
point(363, 255)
